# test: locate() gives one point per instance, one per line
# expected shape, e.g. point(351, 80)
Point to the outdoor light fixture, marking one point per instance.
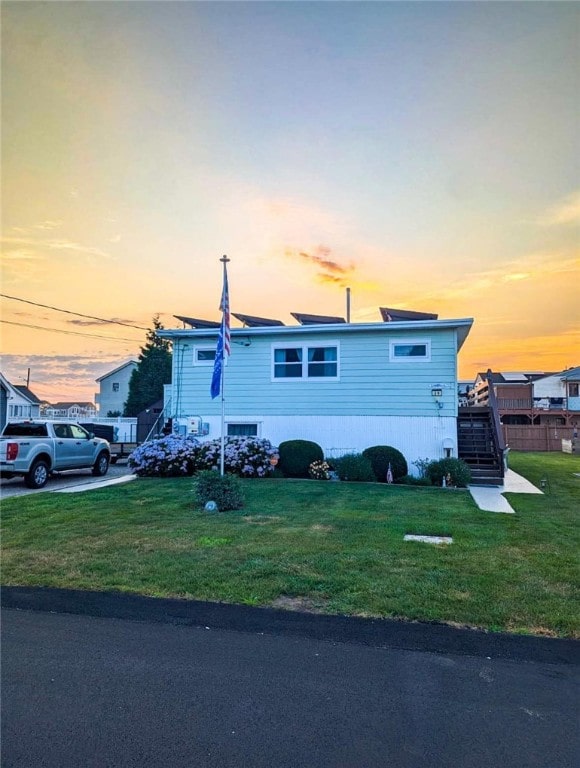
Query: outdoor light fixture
point(437, 392)
point(543, 483)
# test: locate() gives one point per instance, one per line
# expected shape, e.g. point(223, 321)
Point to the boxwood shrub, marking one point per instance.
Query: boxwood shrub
point(354, 467)
point(226, 491)
point(296, 456)
point(380, 456)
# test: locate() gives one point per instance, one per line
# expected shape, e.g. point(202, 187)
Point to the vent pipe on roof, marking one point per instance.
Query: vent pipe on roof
point(348, 305)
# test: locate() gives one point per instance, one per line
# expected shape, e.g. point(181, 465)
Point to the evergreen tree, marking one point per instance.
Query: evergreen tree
point(152, 372)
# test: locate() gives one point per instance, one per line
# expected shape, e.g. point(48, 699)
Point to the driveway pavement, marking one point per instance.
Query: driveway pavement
point(62, 480)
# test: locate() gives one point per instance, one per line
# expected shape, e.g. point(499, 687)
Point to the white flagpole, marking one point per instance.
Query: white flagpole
point(224, 260)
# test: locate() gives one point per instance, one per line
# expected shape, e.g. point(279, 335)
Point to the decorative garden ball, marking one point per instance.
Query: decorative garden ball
point(211, 506)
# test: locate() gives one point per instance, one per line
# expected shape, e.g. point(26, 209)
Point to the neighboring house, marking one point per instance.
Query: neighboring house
point(73, 411)
point(16, 402)
point(346, 386)
point(114, 388)
point(464, 387)
point(532, 398)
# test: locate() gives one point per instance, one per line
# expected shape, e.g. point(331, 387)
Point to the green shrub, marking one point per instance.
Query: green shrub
point(296, 456)
point(226, 491)
point(380, 456)
point(354, 467)
point(412, 480)
point(456, 469)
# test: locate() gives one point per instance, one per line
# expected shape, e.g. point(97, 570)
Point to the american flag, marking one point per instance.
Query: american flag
point(224, 342)
point(225, 308)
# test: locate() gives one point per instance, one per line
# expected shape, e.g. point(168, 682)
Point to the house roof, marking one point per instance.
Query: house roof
point(23, 390)
point(116, 370)
point(571, 374)
point(398, 315)
point(513, 377)
point(462, 326)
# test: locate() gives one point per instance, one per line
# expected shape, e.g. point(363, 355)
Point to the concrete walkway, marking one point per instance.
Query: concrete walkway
point(91, 486)
point(490, 497)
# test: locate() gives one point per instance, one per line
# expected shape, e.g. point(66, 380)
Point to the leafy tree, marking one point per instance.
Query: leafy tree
point(152, 372)
point(112, 414)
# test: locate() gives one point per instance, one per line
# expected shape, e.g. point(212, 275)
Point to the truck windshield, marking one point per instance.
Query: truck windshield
point(25, 430)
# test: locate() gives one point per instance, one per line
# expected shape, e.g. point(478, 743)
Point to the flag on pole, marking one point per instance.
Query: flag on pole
point(389, 474)
point(224, 343)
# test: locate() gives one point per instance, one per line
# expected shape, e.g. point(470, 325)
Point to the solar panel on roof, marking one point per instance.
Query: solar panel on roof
point(514, 377)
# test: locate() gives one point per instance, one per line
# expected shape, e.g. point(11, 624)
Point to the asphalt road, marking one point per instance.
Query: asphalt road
point(90, 691)
point(60, 480)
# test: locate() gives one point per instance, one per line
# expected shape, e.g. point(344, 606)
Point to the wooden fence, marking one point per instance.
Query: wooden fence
point(536, 438)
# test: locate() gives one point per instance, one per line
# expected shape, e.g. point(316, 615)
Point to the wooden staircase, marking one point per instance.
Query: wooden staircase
point(479, 446)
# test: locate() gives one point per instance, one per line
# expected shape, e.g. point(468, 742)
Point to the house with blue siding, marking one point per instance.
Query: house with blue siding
point(344, 385)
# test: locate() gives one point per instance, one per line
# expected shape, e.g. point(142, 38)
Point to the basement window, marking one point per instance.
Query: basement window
point(242, 430)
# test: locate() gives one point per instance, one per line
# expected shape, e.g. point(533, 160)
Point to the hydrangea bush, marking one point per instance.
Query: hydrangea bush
point(243, 456)
point(169, 456)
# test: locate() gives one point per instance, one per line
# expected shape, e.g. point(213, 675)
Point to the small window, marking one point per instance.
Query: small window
point(242, 430)
point(204, 355)
point(409, 351)
point(115, 386)
point(573, 389)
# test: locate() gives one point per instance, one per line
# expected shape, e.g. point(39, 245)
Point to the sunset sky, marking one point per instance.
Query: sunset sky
point(425, 154)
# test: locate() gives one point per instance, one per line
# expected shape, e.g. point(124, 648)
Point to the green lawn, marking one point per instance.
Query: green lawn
point(330, 547)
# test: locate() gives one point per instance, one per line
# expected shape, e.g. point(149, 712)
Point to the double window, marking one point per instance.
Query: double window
point(299, 361)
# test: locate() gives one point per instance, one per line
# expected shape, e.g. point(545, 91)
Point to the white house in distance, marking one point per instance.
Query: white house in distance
point(114, 389)
point(346, 386)
point(16, 402)
point(73, 411)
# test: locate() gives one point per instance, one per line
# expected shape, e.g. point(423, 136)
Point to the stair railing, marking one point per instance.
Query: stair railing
point(500, 446)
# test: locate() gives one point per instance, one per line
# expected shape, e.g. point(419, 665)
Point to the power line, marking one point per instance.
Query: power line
point(69, 333)
point(69, 312)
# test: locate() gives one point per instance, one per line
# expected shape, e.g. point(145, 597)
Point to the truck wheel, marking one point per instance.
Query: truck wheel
point(37, 475)
point(101, 465)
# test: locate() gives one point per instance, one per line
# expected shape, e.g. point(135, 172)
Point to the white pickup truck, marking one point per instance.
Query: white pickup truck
point(35, 449)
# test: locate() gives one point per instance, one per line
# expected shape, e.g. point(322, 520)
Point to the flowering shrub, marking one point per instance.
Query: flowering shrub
point(169, 456)
point(243, 456)
point(319, 470)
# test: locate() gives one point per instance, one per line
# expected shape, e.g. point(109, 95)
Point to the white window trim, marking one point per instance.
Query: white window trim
point(403, 342)
point(203, 363)
point(305, 347)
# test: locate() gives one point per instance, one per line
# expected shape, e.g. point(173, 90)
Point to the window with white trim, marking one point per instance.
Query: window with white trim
point(410, 351)
point(299, 361)
point(244, 429)
point(204, 355)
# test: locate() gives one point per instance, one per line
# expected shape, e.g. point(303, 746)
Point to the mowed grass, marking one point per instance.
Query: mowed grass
point(318, 546)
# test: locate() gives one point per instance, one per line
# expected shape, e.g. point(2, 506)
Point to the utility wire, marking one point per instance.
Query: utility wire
point(68, 312)
point(69, 333)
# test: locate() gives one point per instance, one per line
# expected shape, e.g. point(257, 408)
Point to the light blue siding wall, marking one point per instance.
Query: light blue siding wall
point(369, 384)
